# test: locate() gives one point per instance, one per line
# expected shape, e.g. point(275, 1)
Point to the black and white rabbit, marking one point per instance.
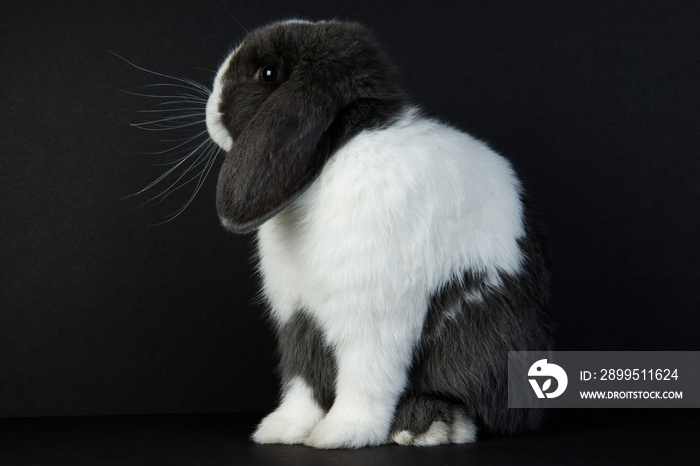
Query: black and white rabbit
point(397, 254)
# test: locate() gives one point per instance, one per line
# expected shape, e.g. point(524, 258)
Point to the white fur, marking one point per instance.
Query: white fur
point(395, 214)
point(463, 429)
point(215, 127)
point(437, 434)
point(292, 421)
point(405, 438)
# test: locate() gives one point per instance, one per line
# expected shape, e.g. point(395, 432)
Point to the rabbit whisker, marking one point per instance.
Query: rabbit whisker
point(160, 127)
point(202, 177)
point(194, 87)
point(164, 110)
point(181, 105)
point(168, 172)
point(180, 97)
point(187, 153)
point(203, 158)
point(182, 142)
point(239, 23)
point(172, 118)
point(155, 73)
point(204, 146)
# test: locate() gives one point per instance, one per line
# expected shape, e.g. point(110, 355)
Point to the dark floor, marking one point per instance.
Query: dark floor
point(571, 437)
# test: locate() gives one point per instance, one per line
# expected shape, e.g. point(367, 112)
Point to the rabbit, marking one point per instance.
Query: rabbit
point(399, 256)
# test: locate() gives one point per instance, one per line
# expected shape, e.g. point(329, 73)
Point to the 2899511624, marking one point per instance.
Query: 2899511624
point(633, 374)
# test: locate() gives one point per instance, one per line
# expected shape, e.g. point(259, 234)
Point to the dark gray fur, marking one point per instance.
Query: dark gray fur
point(304, 353)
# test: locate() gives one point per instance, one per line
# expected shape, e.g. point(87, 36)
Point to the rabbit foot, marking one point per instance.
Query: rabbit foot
point(342, 432)
point(294, 419)
point(437, 434)
point(280, 427)
point(425, 421)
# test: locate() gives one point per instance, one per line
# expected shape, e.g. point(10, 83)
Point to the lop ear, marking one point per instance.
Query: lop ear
point(278, 154)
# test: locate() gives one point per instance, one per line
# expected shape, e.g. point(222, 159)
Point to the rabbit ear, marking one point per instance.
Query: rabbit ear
point(277, 155)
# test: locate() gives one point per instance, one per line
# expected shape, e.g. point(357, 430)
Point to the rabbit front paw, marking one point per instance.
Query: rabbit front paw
point(281, 427)
point(351, 431)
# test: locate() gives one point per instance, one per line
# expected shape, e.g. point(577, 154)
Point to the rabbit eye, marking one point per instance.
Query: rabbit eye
point(268, 74)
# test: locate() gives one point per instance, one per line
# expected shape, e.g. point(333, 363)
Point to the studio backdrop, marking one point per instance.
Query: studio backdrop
point(119, 304)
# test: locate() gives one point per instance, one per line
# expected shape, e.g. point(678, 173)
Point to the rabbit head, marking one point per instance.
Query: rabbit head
point(284, 100)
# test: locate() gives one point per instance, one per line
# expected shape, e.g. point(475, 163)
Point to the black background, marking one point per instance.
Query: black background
point(597, 104)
